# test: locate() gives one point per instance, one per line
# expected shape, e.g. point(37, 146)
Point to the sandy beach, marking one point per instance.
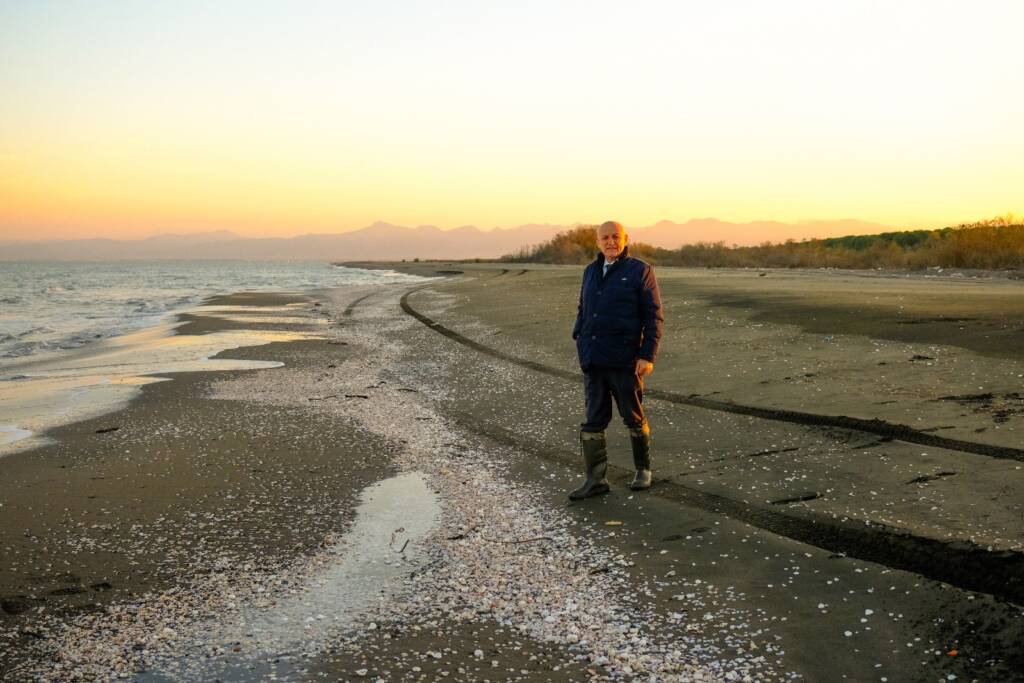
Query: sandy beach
point(390, 503)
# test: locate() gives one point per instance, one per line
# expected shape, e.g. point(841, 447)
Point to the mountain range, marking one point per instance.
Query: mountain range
point(384, 241)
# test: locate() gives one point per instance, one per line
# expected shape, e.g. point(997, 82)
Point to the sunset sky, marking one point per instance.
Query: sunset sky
point(126, 119)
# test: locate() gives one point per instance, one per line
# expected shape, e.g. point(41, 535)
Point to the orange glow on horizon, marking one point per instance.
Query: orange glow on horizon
point(230, 124)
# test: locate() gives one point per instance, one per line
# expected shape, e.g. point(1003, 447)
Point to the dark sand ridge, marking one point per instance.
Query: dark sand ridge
point(916, 499)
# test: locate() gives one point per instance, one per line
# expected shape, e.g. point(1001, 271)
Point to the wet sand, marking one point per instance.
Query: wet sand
point(205, 477)
point(168, 492)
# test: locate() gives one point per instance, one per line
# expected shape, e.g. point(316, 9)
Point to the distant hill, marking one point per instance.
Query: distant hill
point(385, 241)
point(195, 238)
point(379, 241)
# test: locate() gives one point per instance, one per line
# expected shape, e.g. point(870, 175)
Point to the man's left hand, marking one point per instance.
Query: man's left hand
point(644, 367)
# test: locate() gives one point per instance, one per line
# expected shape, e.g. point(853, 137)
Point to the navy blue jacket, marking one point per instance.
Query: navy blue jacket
point(619, 318)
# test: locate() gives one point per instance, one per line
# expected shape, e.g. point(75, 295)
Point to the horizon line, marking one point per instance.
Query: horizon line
point(232, 234)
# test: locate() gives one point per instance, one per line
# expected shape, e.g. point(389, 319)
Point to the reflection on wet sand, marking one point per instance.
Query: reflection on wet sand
point(49, 390)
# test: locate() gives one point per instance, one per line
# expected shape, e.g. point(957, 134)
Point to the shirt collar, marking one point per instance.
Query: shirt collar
point(624, 254)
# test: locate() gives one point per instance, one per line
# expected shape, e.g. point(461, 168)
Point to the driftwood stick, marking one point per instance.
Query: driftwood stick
point(465, 533)
point(523, 540)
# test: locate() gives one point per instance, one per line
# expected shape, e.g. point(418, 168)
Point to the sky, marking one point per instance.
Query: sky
point(130, 118)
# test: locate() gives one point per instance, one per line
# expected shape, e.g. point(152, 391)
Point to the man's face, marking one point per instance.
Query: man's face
point(611, 240)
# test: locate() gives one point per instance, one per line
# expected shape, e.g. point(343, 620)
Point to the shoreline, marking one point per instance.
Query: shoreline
point(59, 388)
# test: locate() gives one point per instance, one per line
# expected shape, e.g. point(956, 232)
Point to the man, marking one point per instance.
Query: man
point(617, 332)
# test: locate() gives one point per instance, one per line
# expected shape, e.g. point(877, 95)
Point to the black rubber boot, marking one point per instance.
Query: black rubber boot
point(640, 438)
point(595, 462)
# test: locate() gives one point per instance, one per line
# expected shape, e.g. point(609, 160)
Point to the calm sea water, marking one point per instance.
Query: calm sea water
point(66, 305)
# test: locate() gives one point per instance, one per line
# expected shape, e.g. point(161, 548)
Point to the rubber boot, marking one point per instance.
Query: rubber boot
point(640, 439)
point(595, 461)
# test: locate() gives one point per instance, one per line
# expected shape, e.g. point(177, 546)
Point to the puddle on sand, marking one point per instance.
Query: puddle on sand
point(275, 639)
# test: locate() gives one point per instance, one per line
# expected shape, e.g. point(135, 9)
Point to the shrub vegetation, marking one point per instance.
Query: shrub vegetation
point(994, 244)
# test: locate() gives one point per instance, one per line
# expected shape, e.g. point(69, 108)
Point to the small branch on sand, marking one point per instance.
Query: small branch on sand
point(403, 546)
point(524, 540)
point(465, 533)
point(356, 396)
point(322, 398)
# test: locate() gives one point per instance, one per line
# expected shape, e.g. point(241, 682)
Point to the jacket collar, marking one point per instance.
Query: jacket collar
point(622, 257)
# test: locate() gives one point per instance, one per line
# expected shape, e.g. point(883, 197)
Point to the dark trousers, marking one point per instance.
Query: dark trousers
point(600, 385)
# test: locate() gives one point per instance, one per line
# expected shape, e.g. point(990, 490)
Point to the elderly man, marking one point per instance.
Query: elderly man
point(617, 332)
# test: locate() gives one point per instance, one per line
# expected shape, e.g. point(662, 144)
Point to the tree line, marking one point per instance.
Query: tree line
point(993, 244)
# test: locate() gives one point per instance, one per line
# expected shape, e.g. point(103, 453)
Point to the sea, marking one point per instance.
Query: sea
point(53, 306)
point(79, 339)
